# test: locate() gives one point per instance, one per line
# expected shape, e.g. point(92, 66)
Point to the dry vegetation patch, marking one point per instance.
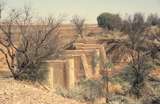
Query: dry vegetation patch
point(16, 92)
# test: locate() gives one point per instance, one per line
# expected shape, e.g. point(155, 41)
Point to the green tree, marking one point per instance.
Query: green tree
point(109, 21)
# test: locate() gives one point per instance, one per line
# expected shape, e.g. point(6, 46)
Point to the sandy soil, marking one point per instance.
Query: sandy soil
point(15, 92)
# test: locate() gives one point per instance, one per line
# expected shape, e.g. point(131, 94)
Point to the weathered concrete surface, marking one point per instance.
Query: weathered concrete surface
point(70, 69)
point(102, 54)
point(56, 73)
point(86, 61)
point(80, 67)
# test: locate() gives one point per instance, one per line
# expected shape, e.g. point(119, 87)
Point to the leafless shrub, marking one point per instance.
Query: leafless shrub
point(78, 23)
point(25, 50)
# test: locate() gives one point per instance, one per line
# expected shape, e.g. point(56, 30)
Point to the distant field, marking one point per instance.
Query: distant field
point(68, 30)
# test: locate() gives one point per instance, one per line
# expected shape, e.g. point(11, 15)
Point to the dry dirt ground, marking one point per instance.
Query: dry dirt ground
point(16, 92)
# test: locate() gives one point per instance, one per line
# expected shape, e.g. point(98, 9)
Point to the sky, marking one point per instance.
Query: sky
point(88, 9)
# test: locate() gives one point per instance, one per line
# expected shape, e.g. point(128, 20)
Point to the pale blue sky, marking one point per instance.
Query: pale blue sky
point(89, 8)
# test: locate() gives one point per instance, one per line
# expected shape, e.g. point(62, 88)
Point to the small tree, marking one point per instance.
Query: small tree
point(78, 23)
point(117, 22)
point(25, 45)
point(153, 20)
point(109, 21)
point(105, 79)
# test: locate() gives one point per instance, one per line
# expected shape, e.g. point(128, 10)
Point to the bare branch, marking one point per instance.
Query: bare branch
point(78, 23)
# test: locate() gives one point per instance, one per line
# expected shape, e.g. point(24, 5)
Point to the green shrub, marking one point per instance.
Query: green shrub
point(92, 89)
point(87, 90)
point(62, 91)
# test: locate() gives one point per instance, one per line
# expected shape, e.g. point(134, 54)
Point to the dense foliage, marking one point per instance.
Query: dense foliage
point(109, 21)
